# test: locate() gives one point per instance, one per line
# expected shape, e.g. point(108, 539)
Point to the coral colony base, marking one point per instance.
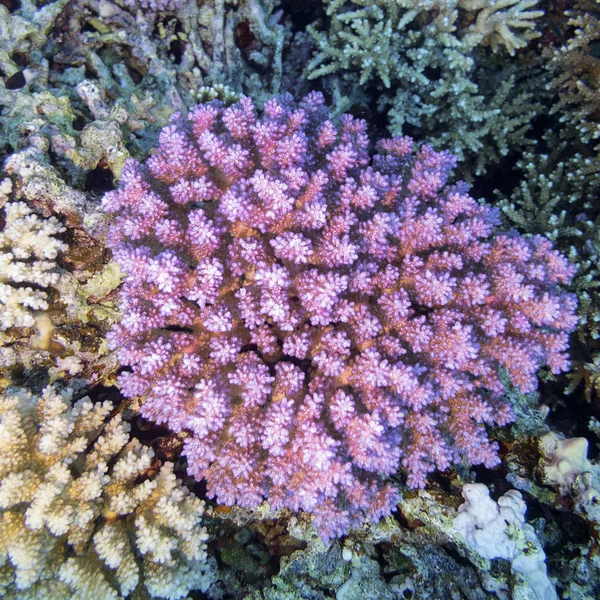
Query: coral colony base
point(315, 317)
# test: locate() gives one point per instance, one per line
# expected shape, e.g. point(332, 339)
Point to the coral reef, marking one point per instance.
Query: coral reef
point(84, 509)
point(554, 473)
point(115, 62)
point(286, 291)
point(87, 84)
point(557, 197)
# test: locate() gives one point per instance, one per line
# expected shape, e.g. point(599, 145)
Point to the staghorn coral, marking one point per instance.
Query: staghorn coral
point(424, 53)
point(508, 24)
point(317, 317)
point(557, 197)
point(81, 515)
point(576, 66)
point(28, 249)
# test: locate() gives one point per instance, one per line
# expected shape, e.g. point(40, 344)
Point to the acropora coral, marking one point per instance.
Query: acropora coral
point(426, 65)
point(578, 72)
point(313, 316)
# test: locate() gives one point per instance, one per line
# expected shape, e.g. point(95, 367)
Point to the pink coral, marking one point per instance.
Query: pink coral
point(314, 317)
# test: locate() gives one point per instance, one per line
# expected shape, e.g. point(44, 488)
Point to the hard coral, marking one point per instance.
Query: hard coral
point(422, 64)
point(83, 511)
point(28, 249)
point(314, 317)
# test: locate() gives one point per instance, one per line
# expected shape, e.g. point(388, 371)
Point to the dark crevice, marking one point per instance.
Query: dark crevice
point(249, 348)
point(177, 328)
point(16, 81)
point(99, 181)
point(12, 5)
point(79, 123)
point(302, 12)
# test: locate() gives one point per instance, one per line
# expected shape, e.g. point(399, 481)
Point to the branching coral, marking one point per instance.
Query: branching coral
point(507, 24)
point(316, 317)
point(578, 67)
point(423, 52)
point(501, 23)
point(557, 197)
point(178, 46)
point(146, 59)
point(28, 249)
point(80, 513)
point(560, 182)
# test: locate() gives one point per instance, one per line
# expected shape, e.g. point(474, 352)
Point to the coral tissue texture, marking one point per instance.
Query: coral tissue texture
point(315, 317)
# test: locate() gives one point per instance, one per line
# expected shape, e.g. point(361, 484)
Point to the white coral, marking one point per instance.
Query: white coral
point(566, 467)
point(53, 493)
point(28, 249)
point(499, 530)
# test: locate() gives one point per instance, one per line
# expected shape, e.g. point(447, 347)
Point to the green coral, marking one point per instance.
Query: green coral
point(422, 60)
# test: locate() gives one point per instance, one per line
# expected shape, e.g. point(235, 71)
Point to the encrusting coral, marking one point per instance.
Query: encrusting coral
point(82, 515)
point(28, 249)
point(316, 317)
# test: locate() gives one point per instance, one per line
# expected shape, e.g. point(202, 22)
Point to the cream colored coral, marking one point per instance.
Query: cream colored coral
point(28, 249)
point(508, 23)
point(112, 546)
point(74, 519)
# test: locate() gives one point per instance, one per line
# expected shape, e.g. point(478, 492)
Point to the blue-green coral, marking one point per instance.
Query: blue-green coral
point(422, 60)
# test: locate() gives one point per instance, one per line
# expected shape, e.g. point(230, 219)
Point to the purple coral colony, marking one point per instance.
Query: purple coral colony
point(317, 316)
